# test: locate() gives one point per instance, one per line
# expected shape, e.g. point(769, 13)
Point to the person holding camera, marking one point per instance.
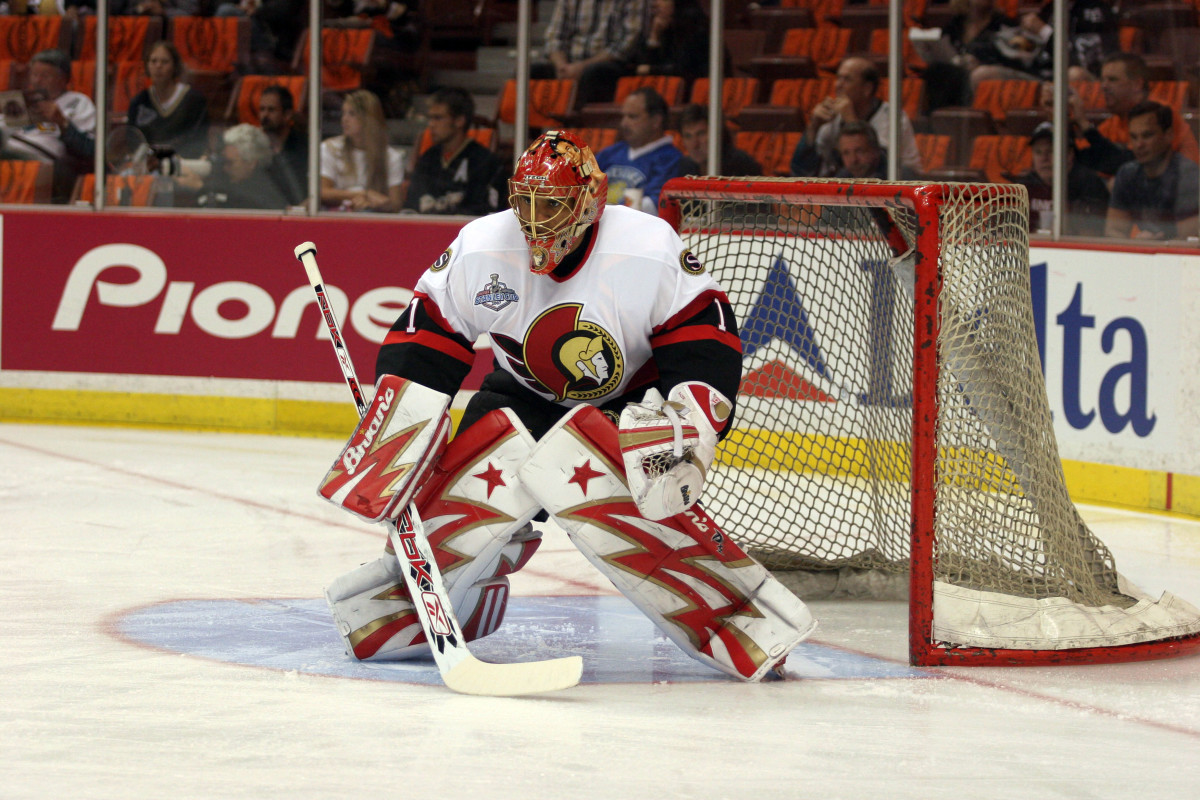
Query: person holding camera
point(238, 177)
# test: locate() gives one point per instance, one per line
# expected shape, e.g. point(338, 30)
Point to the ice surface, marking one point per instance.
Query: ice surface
point(164, 636)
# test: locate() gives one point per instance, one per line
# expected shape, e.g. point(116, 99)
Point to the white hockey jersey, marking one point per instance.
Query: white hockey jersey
point(585, 338)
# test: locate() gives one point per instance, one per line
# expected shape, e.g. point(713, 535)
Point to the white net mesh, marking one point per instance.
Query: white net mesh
point(816, 478)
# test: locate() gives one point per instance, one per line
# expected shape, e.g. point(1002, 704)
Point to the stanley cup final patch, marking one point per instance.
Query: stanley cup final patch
point(495, 295)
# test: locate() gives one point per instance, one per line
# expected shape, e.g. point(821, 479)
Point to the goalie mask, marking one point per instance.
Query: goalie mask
point(556, 191)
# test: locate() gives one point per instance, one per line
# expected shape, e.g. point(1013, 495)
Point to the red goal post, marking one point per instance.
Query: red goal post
point(893, 430)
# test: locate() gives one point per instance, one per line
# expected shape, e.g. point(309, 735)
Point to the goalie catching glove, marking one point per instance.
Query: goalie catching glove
point(668, 446)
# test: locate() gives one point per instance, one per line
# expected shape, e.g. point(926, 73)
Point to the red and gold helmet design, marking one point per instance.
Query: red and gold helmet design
point(556, 191)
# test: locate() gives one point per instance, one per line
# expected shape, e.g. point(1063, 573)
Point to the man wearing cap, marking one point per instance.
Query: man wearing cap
point(50, 106)
point(1087, 195)
point(61, 123)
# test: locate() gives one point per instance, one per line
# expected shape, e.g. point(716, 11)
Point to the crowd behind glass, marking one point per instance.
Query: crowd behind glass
point(185, 130)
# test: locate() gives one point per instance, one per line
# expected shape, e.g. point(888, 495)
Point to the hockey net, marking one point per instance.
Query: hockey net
point(893, 431)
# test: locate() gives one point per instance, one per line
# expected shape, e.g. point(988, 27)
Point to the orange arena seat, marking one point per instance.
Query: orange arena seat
point(128, 37)
point(550, 101)
point(21, 36)
point(1001, 157)
point(802, 93)
point(25, 181)
point(997, 96)
point(736, 94)
point(129, 79)
point(344, 54)
point(1170, 93)
point(826, 45)
point(83, 78)
point(669, 86)
point(120, 190)
point(211, 44)
point(934, 149)
point(911, 95)
point(597, 138)
point(772, 150)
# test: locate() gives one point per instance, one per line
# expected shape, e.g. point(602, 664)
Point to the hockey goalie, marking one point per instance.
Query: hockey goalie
point(617, 364)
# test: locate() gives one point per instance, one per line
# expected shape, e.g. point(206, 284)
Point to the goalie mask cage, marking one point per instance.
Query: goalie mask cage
point(893, 427)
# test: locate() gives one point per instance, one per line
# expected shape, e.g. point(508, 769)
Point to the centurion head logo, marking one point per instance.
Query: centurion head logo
point(565, 356)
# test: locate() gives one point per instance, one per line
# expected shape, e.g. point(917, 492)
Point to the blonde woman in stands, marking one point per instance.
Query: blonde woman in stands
point(359, 172)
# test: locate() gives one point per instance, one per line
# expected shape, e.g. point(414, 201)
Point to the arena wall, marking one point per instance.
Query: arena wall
point(207, 322)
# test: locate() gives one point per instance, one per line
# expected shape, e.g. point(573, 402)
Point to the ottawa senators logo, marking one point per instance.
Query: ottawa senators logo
point(564, 356)
point(443, 261)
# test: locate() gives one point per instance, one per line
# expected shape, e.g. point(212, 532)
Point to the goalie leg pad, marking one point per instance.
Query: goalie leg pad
point(477, 517)
point(718, 604)
point(391, 451)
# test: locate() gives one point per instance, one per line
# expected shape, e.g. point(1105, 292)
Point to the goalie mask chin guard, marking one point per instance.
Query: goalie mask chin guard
point(556, 191)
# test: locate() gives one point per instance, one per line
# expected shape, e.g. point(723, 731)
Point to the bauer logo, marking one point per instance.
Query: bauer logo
point(356, 453)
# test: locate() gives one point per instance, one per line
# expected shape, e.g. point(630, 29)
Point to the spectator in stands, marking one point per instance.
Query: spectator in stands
point(1092, 32)
point(168, 111)
point(860, 153)
point(855, 99)
point(169, 8)
point(1124, 81)
point(240, 178)
point(594, 43)
point(359, 171)
point(60, 123)
point(639, 164)
point(1159, 190)
point(693, 130)
point(988, 44)
point(1087, 195)
point(456, 175)
point(289, 166)
point(275, 28)
point(675, 41)
point(993, 44)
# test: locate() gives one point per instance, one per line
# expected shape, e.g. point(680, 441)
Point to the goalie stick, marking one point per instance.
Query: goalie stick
point(461, 671)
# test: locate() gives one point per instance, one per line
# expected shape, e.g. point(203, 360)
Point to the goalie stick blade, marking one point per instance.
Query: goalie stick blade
point(460, 670)
point(472, 676)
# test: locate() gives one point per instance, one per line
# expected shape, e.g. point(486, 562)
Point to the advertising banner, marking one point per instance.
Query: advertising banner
point(203, 296)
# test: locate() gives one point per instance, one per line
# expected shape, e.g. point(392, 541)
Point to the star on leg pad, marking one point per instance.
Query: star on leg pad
point(583, 474)
point(493, 476)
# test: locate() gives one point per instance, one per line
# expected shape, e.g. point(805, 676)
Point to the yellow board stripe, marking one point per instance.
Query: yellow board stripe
point(1104, 484)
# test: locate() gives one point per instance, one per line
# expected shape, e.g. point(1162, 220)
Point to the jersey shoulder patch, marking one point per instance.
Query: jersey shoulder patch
point(690, 264)
point(443, 260)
